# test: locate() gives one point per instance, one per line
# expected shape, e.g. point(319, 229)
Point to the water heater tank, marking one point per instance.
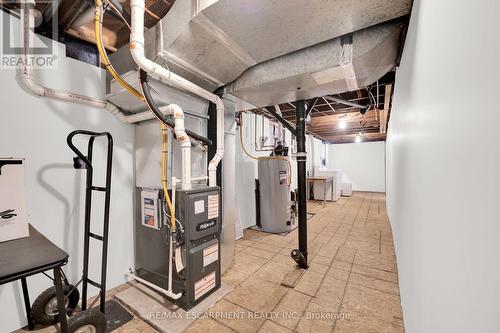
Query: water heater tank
point(276, 209)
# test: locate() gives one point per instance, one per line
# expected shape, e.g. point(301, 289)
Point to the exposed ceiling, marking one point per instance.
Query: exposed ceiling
point(326, 115)
point(75, 18)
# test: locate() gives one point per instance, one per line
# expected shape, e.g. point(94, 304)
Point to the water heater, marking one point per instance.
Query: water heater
point(276, 203)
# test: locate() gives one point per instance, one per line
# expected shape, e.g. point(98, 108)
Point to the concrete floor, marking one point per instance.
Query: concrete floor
point(351, 285)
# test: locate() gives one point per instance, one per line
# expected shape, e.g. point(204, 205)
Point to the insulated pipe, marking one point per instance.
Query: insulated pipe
point(174, 80)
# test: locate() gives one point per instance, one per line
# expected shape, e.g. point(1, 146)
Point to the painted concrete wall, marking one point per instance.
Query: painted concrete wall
point(362, 164)
point(36, 128)
point(442, 168)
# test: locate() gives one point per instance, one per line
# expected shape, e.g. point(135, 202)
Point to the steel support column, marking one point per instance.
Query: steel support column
point(300, 255)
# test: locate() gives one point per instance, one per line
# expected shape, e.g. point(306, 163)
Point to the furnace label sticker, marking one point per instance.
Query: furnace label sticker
point(199, 206)
point(210, 254)
point(203, 286)
point(213, 206)
point(149, 208)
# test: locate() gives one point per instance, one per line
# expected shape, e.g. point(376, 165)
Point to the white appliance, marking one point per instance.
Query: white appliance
point(276, 213)
point(318, 188)
point(346, 189)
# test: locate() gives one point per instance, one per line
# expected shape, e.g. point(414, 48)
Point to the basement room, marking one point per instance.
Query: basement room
point(247, 166)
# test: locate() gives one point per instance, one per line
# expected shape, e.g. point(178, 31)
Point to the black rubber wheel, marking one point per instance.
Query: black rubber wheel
point(89, 321)
point(44, 310)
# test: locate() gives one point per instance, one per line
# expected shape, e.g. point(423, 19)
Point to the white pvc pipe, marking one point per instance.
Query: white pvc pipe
point(170, 261)
point(172, 79)
point(169, 293)
point(182, 137)
point(27, 80)
point(195, 179)
point(26, 76)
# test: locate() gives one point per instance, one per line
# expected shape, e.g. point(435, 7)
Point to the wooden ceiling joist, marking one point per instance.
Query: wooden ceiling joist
point(327, 114)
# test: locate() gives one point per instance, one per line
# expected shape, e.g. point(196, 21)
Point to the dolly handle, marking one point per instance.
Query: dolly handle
point(93, 135)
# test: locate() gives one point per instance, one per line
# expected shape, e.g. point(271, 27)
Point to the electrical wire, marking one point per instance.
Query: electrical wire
point(258, 158)
point(143, 77)
point(99, 16)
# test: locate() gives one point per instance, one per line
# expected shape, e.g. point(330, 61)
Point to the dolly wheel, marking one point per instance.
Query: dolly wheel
point(89, 321)
point(44, 310)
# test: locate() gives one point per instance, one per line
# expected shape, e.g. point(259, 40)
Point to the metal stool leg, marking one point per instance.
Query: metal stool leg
point(63, 320)
point(27, 303)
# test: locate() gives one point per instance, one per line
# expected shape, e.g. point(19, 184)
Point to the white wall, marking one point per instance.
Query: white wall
point(362, 164)
point(36, 129)
point(443, 165)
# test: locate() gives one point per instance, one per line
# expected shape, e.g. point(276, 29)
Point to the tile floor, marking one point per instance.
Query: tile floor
point(351, 285)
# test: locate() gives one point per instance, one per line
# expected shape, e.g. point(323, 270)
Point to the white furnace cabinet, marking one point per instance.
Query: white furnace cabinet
point(318, 189)
point(13, 216)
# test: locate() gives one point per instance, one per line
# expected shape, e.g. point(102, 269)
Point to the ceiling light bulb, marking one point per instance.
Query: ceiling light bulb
point(358, 138)
point(342, 124)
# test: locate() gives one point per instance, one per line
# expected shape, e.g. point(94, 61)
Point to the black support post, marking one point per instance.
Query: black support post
point(300, 255)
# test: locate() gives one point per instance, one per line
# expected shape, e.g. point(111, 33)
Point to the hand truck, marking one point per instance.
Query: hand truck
point(44, 309)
